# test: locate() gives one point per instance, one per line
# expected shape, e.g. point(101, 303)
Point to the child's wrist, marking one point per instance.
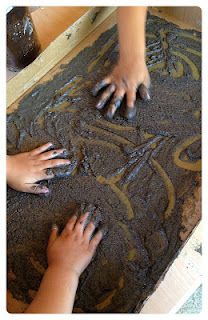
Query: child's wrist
point(137, 62)
point(132, 58)
point(132, 50)
point(66, 274)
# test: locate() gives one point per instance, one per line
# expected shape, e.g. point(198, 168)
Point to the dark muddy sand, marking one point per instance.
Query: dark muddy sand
point(136, 173)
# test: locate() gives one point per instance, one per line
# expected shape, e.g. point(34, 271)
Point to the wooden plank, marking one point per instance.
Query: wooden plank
point(56, 51)
point(50, 22)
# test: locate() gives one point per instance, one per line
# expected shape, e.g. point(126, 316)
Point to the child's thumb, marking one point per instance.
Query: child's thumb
point(53, 235)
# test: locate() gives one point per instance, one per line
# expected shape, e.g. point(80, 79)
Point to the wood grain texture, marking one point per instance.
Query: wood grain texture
point(50, 22)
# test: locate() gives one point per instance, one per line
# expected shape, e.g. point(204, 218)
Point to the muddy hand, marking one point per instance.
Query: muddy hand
point(25, 169)
point(73, 250)
point(124, 80)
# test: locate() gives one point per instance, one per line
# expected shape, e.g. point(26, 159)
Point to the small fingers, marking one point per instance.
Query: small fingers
point(131, 98)
point(100, 85)
point(47, 174)
point(144, 92)
point(130, 111)
point(53, 235)
point(37, 189)
point(50, 154)
point(41, 149)
point(95, 241)
point(54, 163)
point(105, 96)
point(80, 224)
point(89, 230)
point(115, 103)
point(70, 225)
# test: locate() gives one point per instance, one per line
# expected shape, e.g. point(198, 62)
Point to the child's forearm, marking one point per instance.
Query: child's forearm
point(56, 293)
point(131, 27)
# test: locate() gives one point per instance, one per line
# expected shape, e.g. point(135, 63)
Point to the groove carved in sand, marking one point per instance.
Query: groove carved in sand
point(37, 266)
point(101, 53)
point(169, 187)
point(115, 126)
point(192, 166)
point(178, 71)
point(193, 67)
point(138, 158)
point(158, 52)
point(67, 87)
point(114, 136)
point(132, 252)
point(99, 142)
point(188, 35)
point(108, 300)
point(121, 195)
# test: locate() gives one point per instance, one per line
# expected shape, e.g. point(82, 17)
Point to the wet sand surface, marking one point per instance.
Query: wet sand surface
point(138, 174)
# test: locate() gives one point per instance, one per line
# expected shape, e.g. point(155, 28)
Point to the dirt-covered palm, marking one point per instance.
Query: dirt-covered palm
point(25, 169)
point(125, 79)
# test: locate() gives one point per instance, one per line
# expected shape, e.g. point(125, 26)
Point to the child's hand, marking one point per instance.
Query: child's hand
point(72, 251)
point(25, 169)
point(125, 78)
point(68, 255)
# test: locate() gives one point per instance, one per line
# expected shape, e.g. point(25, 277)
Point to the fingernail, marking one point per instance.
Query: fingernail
point(130, 113)
point(104, 231)
point(44, 189)
point(50, 146)
point(148, 96)
point(54, 226)
point(84, 215)
point(100, 105)
point(109, 115)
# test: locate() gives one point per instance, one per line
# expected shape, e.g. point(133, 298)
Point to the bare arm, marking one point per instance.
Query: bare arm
point(131, 72)
point(131, 29)
point(56, 293)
